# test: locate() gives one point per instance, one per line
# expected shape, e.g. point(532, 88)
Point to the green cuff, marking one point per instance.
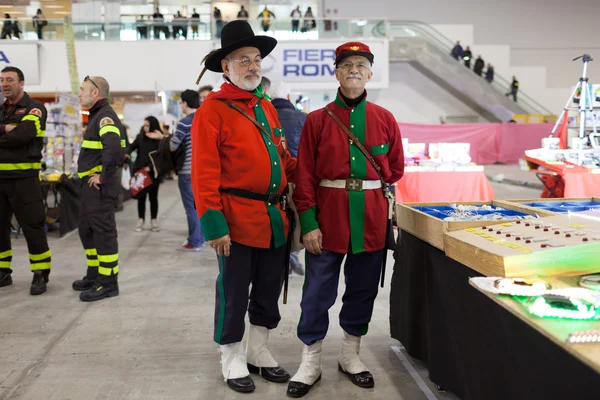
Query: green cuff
point(308, 220)
point(214, 225)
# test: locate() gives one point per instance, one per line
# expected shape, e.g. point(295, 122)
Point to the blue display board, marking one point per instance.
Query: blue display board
point(442, 212)
point(564, 207)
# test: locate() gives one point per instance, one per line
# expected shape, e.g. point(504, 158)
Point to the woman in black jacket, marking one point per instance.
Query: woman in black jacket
point(146, 142)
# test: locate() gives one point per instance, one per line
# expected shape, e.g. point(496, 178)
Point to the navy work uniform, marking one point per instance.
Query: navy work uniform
point(20, 189)
point(102, 151)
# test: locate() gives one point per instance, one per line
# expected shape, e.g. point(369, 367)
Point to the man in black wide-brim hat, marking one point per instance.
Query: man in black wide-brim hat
point(240, 167)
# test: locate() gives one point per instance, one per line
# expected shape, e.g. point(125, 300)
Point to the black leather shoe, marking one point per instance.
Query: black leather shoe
point(272, 374)
point(362, 379)
point(38, 284)
point(5, 278)
point(299, 389)
point(242, 385)
point(83, 284)
point(100, 291)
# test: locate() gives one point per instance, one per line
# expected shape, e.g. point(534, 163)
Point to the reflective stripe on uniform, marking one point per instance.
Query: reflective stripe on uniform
point(4, 264)
point(89, 172)
point(20, 166)
point(107, 271)
point(40, 266)
point(123, 145)
point(91, 252)
point(40, 257)
point(108, 258)
point(91, 144)
point(109, 128)
point(38, 126)
point(6, 254)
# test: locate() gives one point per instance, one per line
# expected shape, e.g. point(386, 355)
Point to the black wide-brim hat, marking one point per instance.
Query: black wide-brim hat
point(235, 35)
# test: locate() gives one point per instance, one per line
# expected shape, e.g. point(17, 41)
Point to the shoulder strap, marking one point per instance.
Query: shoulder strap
point(245, 114)
point(355, 141)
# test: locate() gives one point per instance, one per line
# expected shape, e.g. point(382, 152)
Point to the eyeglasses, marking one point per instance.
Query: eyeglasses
point(87, 78)
point(347, 66)
point(247, 62)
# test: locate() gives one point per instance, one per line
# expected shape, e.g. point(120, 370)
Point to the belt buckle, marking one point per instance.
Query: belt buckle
point(273, 198)
point(354, 185)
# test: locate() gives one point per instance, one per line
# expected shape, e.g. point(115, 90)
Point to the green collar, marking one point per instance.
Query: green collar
point(258, 92)
point(340, 102)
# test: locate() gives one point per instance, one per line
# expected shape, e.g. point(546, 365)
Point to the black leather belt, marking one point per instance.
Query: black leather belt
point(271, 198)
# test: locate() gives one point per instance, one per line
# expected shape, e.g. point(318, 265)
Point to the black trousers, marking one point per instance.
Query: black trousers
point(98, 229)
point(264, 269)
point(152, 194)
point(23, 197)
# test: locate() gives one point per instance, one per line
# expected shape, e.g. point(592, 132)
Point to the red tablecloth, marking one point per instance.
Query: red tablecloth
point(443, 186)
point(581, 185)
point(490, 142)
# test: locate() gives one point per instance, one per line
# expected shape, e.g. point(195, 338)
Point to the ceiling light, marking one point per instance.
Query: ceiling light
point(62, 12)
point(6, 6)
point(362, 23)
point(95, 34)
point(56, 6)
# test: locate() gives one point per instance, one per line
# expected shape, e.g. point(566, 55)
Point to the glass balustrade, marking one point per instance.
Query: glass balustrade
point(206, 28)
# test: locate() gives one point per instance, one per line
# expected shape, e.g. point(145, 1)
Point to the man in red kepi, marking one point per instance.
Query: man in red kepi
point(240, 169)
point(343, 213)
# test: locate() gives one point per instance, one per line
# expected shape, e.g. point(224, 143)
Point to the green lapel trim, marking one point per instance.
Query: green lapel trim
point(276, 175)
point(214, 224)
point(258, 92)
point(380, 149)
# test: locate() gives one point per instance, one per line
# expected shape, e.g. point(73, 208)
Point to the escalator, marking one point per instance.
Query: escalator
point(428, 51)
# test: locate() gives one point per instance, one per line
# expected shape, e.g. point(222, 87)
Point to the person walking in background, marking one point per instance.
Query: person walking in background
point(145, 143)
point(266, 16)
point(6, 27)
point(457, 51)
point(479, 64)
point(39, 22)
point(195, 22)
point(489, 73)
point(467, 56)
point(309, 20)
point(265, 83)
point(292, 121)
point(204, 91)
point(16, 30)
point(218, 17)
point(514, 88)
point(190, 101)
point(296, 15)
point(242, 14)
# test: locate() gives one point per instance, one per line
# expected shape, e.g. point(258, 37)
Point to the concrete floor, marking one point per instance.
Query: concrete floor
point(154, 341)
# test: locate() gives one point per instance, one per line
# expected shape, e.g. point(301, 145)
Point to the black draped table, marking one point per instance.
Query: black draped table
point(64, 204)
point(472, 345)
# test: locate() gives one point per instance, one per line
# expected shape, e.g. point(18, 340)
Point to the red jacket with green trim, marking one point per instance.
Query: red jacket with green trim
point(229, 152)
point(21, 148)
point(325, 152)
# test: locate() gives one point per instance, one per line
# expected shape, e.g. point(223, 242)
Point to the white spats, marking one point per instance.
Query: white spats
point(349, 359)
point(233, 361)
point(257, 353)
point(310, 367)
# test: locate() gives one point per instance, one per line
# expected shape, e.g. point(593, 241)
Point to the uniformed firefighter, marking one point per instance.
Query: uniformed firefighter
point(22, 127)
point(102, 151)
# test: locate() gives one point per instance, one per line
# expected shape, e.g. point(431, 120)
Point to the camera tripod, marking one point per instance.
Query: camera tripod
point(585, 103)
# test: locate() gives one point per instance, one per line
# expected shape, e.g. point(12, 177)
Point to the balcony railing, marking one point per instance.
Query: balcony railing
point(204, 28)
